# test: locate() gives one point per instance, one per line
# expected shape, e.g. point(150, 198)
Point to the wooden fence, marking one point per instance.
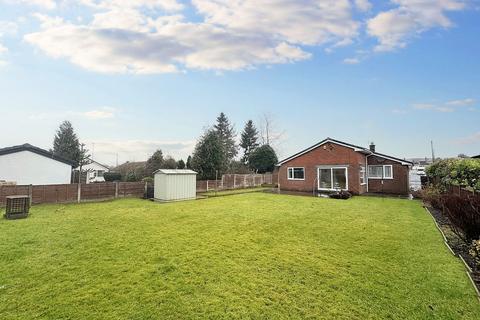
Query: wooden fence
point(461, 191)
point(64, 193)
point(235, 181)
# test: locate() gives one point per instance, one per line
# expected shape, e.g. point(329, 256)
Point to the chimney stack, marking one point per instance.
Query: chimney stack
point(372, 147)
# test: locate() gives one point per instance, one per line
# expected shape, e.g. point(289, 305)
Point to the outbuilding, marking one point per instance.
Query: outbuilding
point(175, 185)
point(27, 164)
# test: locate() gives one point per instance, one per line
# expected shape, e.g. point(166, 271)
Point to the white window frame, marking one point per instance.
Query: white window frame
point(391, 171)
point(363, 175)
point(331, 177)
point(293, 176)
point(383, 177)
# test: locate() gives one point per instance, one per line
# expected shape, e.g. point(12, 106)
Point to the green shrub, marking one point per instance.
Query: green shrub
point(456, 172)
point(432, 194)
point(112, 176)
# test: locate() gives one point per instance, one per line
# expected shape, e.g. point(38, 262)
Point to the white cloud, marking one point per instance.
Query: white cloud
point(154, 36)
point(45, 4)
point(94, 114)
point(104, 113)
point(170, 5)
point(351, 61)
point(137, 150)
point(8, 28)
point(444, 109)
point(399, 111)
point(307, 22)
point(3, 49)
point(157, 46)
point(395, 27)
point(471, 139)
point(461, 102)
point(363, 5)
point(449, 106)
point(424, 106)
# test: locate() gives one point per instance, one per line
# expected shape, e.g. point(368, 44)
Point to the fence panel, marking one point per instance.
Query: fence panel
point(235, 181)
point(62, 193)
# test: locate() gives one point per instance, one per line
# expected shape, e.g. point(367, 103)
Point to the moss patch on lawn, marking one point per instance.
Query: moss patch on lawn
point(256, 255)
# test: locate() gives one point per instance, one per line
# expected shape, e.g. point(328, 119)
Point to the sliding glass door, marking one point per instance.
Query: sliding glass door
point(332, 178)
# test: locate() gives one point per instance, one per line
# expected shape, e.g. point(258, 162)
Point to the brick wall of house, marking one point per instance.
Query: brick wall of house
point(397, 185)
point(327, 154)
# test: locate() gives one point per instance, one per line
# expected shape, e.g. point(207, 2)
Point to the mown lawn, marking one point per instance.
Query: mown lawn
point(260, 256)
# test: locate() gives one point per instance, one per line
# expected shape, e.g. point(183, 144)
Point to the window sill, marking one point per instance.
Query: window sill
point(289, 179)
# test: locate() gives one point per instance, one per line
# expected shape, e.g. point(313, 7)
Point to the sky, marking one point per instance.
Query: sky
point(137, 75)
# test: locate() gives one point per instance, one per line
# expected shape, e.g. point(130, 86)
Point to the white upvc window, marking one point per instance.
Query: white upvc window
point(296, 173)
point(380, 172)
point(363, 178)
point(332, 178)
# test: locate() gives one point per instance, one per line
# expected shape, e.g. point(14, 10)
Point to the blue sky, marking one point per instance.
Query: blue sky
point(133, 76)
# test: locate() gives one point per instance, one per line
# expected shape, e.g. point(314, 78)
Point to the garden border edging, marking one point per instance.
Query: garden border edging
point(468, 270)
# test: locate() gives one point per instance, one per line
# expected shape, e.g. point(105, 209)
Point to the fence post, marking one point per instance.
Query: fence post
point(146, 190)
point(30, 194)
point(234, 185)
point(79, 192)
point(222, 181)
point(207, 185)
point(116, 189)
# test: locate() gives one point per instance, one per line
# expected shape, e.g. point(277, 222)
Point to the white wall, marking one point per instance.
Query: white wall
point(175, 187)
point(26, 167)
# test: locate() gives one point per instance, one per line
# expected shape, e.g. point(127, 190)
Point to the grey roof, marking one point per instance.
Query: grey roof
point(354, 147)
point(37, 150)
point(175, 171)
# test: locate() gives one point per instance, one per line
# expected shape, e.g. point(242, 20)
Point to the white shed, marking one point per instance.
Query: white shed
point(175, 185)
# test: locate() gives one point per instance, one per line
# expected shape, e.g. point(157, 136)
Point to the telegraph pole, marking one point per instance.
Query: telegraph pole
point(433, 152)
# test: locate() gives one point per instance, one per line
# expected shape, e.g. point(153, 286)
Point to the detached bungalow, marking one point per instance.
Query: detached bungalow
point(332, 165)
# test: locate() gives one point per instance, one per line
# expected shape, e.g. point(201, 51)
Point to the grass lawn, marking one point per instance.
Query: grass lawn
point(255, 255)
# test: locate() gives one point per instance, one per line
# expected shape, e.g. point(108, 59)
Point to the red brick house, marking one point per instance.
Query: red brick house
point(331, 165)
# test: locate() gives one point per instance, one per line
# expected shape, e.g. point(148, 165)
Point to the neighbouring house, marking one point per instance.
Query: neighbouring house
point(27, 164)
point(94, 171)
point(331, 165)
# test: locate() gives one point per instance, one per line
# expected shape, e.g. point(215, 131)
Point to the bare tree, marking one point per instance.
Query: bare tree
point(269, 133)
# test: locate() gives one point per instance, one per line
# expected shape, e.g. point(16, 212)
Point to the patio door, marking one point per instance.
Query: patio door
point(332, 178)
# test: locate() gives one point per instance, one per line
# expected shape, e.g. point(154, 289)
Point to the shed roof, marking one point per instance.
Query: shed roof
point(37, 150)
point(175, 171)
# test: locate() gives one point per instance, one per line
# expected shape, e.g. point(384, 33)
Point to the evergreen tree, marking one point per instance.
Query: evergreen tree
point(154, 163)
point(189, 162)
point(208, 156)
point(248, 140)
point(226, 133)
point(169, 163)
point(66, 144)
point(181, 164)
point(263, 159)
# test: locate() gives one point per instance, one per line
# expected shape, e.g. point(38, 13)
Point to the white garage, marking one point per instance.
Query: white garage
point(175, 185)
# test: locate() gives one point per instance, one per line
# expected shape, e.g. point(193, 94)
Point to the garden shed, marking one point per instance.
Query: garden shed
point(175, 185)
